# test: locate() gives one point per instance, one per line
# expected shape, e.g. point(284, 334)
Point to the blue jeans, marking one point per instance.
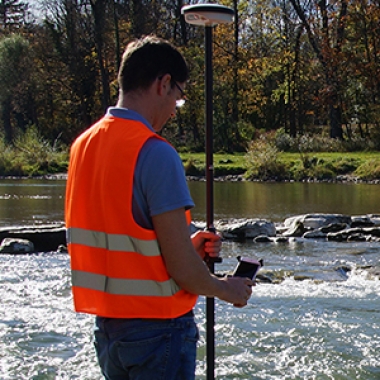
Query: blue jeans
point(147, 349)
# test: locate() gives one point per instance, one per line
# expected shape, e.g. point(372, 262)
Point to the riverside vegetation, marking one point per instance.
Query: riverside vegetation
point(272, 156)
point(278, 157)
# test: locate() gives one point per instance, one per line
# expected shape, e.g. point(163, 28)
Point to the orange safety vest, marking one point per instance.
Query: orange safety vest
point(117, 267)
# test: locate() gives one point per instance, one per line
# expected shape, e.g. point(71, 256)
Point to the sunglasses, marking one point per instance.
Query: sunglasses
point(182, 101)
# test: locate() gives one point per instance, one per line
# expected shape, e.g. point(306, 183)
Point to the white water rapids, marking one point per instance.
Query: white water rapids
point(321, 328)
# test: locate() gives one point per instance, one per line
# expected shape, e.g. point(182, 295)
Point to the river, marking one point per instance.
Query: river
point(325, 327)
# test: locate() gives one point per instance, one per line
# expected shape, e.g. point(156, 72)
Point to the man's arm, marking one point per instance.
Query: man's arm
point(186, 267)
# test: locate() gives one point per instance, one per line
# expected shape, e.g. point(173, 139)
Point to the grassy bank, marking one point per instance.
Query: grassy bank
point(30, 155)
point(224, 164)
point(289, 166)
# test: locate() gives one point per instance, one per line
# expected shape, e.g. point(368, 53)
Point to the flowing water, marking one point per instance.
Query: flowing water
point(326, 327)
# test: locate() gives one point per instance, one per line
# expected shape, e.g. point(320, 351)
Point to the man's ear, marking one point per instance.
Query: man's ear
point(164, 84)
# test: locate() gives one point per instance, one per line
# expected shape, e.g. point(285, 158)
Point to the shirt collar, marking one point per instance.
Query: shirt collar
point(125, 113)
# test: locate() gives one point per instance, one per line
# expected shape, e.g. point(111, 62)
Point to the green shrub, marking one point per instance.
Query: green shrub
point(320, 172)
point(283, 141)
point(6, 157)
point(191, 169)
point(358, 144)
point(319, 143)
point(32, 155)
point(262, 160)
point(369, 170)
point(247, 131)
point(321, 168)
point(344, 165)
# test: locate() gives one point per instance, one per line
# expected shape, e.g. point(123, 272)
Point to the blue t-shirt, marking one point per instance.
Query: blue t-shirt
point(159, 180)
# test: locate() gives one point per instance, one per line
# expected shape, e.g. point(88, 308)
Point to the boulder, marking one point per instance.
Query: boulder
point(262, 239)
point(333, 227)
point(297, 229)
point(15, 245)
point(314, 221)
point(375, 219)
point(271, 277)
point(361, 221)
point(315, 234)
point(62, 249)
point(321, 233)
point(45, 238)
point(331, 275)
point(374, 272)
point(280, 239)
point(357, 237)
point(355, 234)
point(373, 231)
point(242, 229)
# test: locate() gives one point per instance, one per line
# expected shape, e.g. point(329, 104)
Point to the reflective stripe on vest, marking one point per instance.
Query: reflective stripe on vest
point(112, 242)
point(123, 287)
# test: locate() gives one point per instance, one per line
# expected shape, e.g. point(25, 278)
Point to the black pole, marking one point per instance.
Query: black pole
point(209, 130)
point(210, 306)
point(212, 14)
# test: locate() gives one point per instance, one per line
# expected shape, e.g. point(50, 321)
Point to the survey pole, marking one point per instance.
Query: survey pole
point(208, 16)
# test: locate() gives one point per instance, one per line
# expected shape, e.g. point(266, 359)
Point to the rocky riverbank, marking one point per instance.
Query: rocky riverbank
point(241, 177)
point(319, 228)
point(226, 178)
point(333, 227)
point(296, 229)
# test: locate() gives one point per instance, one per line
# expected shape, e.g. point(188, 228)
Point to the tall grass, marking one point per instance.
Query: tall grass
point(308, 157)
point(320, 143)
point(313, 157)
point(32, 155)
point(263, 161)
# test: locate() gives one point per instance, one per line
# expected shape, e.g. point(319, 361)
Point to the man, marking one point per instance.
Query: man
point(133, 262)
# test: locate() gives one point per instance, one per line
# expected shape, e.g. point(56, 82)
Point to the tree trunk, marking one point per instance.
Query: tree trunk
point(99, 10)
point(6, 117)
point(322, 48)
point(336, 130)
point(235, 87)
point(117, 38)
point(182, 23)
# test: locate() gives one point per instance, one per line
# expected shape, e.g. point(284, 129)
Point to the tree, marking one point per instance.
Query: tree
point(362, 94)
point(100, 8)
point(280, 64)
point(15, 70)
point(74, 77)
point(325, 25)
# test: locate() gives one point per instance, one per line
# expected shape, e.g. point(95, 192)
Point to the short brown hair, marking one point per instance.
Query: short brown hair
point(148, 58)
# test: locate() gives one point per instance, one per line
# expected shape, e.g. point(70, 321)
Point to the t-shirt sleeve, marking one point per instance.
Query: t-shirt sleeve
point(160, 180)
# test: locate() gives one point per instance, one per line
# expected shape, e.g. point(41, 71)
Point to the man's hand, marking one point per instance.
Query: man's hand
point(183, 260)
point(206, 243)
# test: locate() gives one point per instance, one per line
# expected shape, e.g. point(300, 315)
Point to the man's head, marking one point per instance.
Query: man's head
point(147, 59)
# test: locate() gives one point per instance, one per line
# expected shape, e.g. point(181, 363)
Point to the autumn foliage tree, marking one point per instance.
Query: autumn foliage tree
point(295, 65)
